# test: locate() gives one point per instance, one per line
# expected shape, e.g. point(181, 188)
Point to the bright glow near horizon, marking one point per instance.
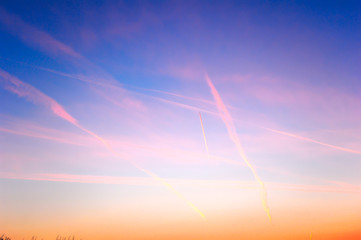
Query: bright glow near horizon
point(180, 120)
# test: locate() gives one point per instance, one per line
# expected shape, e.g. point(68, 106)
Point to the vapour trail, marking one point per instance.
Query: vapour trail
point(145, 181)
point(149, 173)
point(174, 191)
point(83, 141)
point(39, 136)
point(54, 47)
point(171, 94)
point(186, 106)
point(34, 95)
point(314, 141)
point(228, 121)
point(80, 140)
point(204, 135)
point(95, 82)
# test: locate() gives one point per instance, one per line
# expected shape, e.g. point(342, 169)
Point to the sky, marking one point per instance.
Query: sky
point(180, 119)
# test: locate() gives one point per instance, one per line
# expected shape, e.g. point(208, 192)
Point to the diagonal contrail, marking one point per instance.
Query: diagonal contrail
point(193, 108)
point(186, 106)
point(34, 95)
point(311, 140)
point(228, 121)
point(204, 135)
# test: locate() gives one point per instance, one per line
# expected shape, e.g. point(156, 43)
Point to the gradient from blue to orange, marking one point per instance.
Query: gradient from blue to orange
point(100, 132)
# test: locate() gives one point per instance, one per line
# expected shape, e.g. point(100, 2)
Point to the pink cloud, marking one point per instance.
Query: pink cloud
point(131, 103)
point(44, 42)
point(35, 37)
point(156, 149)
point(232, 132)
point(321, 104)
point(21, 127)
point(32, 94)
point(185, 71)
point(314, 141)
point(121, 98)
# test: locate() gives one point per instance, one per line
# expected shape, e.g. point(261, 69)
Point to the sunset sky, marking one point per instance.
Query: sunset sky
point(180, 119)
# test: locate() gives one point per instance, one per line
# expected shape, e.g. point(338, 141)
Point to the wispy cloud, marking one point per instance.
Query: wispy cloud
point(13, 125)
point(32, 94)
point(122, 90)
point(204, 134)
point(228, 121)
point(148, 181)
point(35, 37)
point(314, 141)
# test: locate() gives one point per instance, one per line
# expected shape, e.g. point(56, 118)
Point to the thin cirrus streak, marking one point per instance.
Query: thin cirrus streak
point(70, 140)
point(197, 109)
point(35, 131)
point(61, 112)
point(190, 107)
point(228, 121)
point(99, 83)
point(204, 135)
point(314, 141)
point(186, 154)
point(193, 108)
point(74, 139)
point(171, 94)
point(46, 43)
point(129, 87)
point(36, 37)
point(37, 135)
point(31, 130)
point(32, 94)
point(146, 181)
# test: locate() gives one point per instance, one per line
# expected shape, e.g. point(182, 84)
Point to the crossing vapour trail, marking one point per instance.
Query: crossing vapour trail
point(228, 121)
point(171, 94)
point(187, 106)
point(99, 83)
point(34, 95)
point(204, 135)
point(80, 140)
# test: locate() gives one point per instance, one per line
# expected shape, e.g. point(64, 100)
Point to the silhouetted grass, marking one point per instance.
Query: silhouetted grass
point(3, 237)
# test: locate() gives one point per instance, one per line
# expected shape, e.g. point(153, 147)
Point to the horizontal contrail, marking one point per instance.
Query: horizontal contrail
point(193, 108)
point(34, 95)
point(36, 131)
point(146, 181)
point(228, 121)
point(95, 82)
point(190, 107)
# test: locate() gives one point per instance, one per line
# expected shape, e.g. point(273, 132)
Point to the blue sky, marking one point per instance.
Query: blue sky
point(105, 97)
